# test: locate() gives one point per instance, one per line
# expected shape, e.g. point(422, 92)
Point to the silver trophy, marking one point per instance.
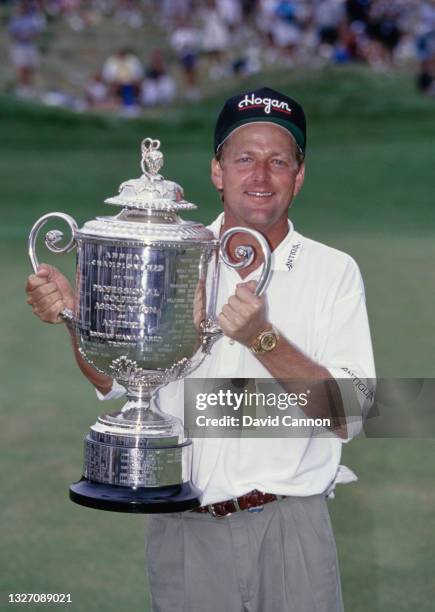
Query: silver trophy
point(144, 314)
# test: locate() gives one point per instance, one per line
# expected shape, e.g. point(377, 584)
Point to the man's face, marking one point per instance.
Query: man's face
point(258, 175)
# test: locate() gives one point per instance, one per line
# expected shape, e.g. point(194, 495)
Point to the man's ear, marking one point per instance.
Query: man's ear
point(300, 176)
point(216, 174)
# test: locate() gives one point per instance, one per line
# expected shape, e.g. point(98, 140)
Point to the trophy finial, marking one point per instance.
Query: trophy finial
point(151, 191)
point(152, 158)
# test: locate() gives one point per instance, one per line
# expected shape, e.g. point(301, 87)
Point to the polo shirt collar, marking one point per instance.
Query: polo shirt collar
point(285, 254)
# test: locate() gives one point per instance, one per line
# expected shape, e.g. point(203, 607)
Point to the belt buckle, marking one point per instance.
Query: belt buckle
point(213, 512)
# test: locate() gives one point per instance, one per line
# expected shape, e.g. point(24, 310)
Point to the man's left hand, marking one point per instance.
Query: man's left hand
point(244, 316)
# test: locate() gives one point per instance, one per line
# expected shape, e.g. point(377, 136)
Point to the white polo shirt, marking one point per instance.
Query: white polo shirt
point(316, 300)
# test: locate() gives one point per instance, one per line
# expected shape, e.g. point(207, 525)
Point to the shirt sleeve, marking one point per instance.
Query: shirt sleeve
point(115, 392)
point(346, 350)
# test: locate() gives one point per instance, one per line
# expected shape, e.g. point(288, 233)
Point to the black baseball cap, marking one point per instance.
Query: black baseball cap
point(261, 105)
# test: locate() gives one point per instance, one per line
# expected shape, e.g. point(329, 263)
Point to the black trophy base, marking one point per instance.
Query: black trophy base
point(145, 500)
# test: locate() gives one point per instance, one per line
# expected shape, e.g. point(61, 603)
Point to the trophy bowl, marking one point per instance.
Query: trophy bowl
point(144, 314)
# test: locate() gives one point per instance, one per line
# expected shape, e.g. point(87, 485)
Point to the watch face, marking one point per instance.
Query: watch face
point(268, 341)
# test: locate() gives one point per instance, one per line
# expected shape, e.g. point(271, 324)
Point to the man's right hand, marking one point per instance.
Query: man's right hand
point(49, 292)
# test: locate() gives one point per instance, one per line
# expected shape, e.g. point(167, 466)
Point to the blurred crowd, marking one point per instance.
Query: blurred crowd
point(214, 39)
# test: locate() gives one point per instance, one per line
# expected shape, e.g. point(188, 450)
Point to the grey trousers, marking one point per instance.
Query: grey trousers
point(282, 559)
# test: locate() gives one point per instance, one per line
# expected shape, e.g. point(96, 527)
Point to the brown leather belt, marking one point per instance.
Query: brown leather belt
point(253, 501)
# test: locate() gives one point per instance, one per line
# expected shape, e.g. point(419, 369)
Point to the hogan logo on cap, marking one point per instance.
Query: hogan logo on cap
point(266, 103)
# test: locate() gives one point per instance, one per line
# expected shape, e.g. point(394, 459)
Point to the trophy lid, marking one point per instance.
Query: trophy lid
point(150, 206)
point(151, 191)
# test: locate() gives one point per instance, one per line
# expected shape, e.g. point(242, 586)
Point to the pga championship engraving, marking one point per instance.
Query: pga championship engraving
point(144, 314)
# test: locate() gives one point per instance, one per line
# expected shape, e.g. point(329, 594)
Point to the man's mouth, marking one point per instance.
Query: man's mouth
point(260, 194)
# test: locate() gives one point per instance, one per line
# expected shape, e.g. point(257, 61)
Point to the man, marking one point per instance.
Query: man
point(24, 28)
point(262, 539)
point(123, 73)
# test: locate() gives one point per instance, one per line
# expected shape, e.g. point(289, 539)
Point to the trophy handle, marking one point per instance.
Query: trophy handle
point(51, 239)
point(246, 254)
point(209, 328)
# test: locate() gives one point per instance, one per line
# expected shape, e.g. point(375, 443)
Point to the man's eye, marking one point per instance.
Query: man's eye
point(279, 162)
point(244, 159)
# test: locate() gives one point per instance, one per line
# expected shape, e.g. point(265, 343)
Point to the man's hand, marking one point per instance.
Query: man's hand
point(244, 317)
point(49, 292)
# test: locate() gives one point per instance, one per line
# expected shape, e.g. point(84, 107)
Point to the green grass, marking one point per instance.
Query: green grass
point(369, 191)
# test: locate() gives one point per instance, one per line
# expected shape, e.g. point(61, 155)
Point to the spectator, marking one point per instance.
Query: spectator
point(174, 12)
point(231, 13)
point(128, 12)
point(350, 45)
point(98, 95)
point(358, 10)
point(24, 29)
point(385, 34)
point(264, 21)
point(425, 44)
point(185, 41)
point(329, 16)
point(426, 31)
point(249, 7)
point(123, 72)
point(286, 28)
point(426, 78)
point(158, 86)
point(215, 40)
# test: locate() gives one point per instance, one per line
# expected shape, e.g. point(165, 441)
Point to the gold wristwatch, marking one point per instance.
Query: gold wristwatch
point(265, 342)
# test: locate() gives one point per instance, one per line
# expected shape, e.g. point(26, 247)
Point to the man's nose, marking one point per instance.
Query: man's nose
point(261, 170)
